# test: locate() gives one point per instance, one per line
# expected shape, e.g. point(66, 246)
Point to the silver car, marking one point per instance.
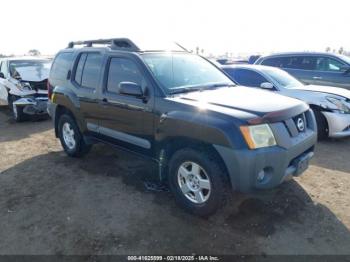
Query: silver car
point(331, 105)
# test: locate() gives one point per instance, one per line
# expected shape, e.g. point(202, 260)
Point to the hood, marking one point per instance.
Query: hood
point(326, 90)
point(264, 105)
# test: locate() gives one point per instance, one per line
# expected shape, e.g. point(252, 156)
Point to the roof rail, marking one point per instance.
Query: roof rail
point(113, 43)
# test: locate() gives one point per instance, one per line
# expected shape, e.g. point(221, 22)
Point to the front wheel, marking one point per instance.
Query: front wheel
point(197, 181)
point(17, 111)
point(71, 138)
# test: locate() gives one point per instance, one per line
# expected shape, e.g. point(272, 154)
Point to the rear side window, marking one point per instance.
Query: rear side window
point(91, 70)
point(301, 62)
point(122, 70)
point(80, 67)
point(247, 77)
point(61, 66)
point(274, 61)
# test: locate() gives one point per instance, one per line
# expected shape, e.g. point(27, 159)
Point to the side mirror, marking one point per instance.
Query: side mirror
point(130, 89)
point(2, 75)
point(345, 69)
point(267, 85)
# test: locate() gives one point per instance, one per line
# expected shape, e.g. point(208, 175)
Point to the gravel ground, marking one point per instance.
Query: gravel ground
point(53, 204)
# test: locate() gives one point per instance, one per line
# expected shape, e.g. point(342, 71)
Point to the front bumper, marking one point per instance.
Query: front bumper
point(32, 106)
point(338, 124)
point(277, 164)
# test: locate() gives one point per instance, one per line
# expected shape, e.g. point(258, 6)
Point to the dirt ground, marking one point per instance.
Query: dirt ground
point(53, 204)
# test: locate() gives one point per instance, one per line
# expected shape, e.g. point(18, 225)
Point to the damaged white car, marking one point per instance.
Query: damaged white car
point(23, 85)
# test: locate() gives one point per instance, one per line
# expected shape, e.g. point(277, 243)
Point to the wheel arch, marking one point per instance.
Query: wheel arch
point(320, 110)
point(170, 145)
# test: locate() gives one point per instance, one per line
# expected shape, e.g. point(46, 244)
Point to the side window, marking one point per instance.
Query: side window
point(92, 70)
point(328, 64)
point(301, 62)
point(79, 69)
point(61, 66)
point(122, 70)
point(3, 68)
point(248, 78)
point(274, 61)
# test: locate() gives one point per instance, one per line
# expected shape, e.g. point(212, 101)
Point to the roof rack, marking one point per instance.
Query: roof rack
point(113, 43)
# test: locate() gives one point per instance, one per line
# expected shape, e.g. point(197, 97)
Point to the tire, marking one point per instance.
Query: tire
point(322, 125)
point(71, 138)
point(210, 172)
point(17, 111)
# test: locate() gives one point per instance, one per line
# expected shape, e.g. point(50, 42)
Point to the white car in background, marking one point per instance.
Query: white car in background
point(23, 85)
point(331, 105)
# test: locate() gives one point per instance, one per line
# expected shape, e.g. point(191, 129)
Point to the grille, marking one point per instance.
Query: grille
point(296, 125)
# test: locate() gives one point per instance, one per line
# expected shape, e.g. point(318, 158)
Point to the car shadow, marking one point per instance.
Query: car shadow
point(333, 154)
point(11, 130)
point(99, 204)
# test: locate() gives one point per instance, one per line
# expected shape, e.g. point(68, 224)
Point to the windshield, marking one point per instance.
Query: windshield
point(282, 78)
point(179, 73)
point(345, 58)
point(30, 70)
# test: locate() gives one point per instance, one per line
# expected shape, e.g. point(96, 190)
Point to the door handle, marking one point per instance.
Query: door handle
point(317, 77)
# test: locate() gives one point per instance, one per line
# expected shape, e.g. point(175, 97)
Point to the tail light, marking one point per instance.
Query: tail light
point(49, 90)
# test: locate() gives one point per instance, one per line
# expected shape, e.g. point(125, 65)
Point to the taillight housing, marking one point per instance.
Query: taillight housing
point(49, 90)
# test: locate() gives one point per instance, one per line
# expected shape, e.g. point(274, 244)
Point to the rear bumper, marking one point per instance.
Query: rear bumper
point(338, 124)
point(32, 106)
point(277, 164)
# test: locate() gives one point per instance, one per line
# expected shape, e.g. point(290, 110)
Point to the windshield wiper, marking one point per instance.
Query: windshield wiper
point(185, 90)
point(220, 85)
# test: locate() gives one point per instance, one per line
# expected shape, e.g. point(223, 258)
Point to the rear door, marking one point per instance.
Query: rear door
point(301, 67)
point(127, 120)
point(87, 79)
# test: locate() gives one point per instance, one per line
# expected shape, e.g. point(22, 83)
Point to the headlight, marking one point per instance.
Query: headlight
point(258, 136)
point(339, 103)
point(24, 86)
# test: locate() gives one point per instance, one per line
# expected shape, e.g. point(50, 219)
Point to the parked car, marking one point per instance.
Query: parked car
point(23, 85)
point(331, 105)
point(205, 134)
point(313, 68)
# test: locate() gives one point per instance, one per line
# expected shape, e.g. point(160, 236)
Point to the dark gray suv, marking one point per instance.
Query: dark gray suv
point(313, 68)
point(183, 114)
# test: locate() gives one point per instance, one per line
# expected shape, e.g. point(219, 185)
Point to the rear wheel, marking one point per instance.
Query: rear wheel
point(322, 125)
point(197, 181)
point(71, 138)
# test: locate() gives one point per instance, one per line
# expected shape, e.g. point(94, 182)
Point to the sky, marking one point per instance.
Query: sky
point(217, 26)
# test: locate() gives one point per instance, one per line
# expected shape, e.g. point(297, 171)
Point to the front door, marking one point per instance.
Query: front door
point(127, 120)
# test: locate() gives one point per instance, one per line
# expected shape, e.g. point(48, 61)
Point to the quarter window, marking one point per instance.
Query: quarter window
point(122, 70)
point(61, 66)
